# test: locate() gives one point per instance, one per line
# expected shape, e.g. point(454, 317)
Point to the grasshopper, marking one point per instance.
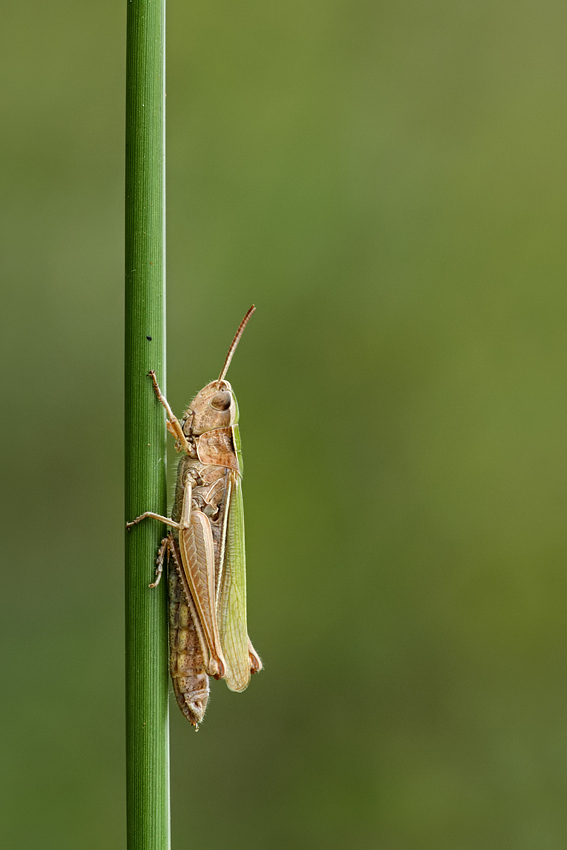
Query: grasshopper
point(207, 586)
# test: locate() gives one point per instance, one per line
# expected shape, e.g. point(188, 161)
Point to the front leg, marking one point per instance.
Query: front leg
point(173, 423)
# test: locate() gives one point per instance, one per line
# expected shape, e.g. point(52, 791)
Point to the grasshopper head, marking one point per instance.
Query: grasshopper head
point(213, 407)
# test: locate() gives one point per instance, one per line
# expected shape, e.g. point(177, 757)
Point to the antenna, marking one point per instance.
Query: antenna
point(235, 342)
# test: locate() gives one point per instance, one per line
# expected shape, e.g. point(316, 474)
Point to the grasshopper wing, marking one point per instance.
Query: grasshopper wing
point(186, 659)
point(198, 562)
point(231, 607)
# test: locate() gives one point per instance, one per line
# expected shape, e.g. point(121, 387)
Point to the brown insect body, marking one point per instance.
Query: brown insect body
point(209, 471)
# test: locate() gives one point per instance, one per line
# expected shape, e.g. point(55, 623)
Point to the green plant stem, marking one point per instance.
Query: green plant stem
point(146, 613)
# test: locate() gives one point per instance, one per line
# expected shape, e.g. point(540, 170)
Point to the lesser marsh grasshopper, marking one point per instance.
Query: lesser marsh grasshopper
point(205, 548)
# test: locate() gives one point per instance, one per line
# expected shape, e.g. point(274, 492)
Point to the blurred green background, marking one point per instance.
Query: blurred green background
point(387, 182)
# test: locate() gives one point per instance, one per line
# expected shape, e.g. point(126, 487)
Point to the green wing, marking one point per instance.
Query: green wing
point(232, 594)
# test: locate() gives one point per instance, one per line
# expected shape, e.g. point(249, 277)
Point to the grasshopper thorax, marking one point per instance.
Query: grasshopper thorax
point(213, 407)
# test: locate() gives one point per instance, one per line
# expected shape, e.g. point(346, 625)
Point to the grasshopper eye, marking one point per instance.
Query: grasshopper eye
point(221, 401)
